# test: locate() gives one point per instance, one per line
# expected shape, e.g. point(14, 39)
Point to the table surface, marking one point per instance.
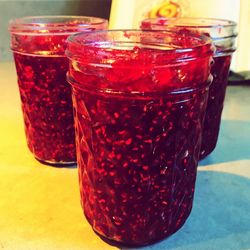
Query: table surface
point(40, 208)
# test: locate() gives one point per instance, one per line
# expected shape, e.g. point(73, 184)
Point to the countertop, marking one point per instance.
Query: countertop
point(40, 208)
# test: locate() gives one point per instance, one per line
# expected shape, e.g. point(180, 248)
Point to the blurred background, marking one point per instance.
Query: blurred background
point(125, 13)
point(10, 9)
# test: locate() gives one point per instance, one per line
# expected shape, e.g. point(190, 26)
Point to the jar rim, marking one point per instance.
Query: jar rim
point(190, 22)
point(79, 41)
point(42, 25)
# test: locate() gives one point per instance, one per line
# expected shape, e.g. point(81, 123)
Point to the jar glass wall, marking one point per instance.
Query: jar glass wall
point(38, 45)
point(139, 101)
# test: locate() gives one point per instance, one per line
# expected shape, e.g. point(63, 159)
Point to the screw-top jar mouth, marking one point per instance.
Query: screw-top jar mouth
point(55, 24)
point(168, 47)
point(223, 32)
point(113, 55)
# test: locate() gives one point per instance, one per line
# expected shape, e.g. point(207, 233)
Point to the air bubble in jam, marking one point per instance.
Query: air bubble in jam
point(47, 107)
point(139, 185)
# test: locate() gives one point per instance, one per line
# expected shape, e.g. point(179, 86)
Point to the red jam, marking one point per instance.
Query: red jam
point(138, 136)
point(38, 44)
point(217, 91)
point(137, 163)
point(223, 34)
point(47, 107)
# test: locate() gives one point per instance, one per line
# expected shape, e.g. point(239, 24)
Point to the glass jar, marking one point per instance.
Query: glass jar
point(38, 44)
point(139, 100)
point(223, 33)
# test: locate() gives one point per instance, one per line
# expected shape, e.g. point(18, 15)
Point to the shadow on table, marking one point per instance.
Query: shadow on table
point(220, 218)
point(233, 143)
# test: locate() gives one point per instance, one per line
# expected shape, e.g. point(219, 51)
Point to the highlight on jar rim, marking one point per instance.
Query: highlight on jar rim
point(56, 24)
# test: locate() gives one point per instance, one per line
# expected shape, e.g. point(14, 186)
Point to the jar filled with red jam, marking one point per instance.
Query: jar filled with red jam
point(38, 44)
point(139, 100)
point(223, 34)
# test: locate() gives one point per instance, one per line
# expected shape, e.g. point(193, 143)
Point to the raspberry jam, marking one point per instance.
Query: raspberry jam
point(38, 44)
point(217, 91)
point(223, 34)
point(47, 107)
point(139, 105)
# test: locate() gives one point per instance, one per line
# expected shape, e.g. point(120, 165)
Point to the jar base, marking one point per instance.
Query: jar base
point(121, 244)
point(57, 164)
